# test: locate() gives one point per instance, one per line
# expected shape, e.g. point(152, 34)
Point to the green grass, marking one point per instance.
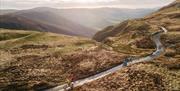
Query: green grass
point(16, 38)
point(8, 36)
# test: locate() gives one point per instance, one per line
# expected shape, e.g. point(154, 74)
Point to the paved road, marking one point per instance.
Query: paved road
point(157, 53)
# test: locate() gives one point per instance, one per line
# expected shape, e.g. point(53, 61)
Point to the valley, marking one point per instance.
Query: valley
point(75, 22)
point(42, 50)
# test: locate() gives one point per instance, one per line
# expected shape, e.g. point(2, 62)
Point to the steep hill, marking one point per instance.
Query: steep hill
point(17, 22)
point(134, 33)
point(43, 20)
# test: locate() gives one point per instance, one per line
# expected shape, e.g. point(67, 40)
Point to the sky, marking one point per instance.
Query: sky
point(26, 4)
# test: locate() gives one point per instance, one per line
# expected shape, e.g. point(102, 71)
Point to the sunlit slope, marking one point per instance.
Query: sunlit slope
point(22, 23)
point(135, 34)
point(44, 19)
point(99, 18)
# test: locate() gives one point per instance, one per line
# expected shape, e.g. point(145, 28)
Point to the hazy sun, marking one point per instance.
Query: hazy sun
point(86, 1)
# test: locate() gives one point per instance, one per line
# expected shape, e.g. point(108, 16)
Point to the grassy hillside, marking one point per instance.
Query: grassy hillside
point(133, 37)
point(33, 60)
point(134, 33)
point(155, 76)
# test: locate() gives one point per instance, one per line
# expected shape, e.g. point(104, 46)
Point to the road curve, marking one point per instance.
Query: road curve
point(157, 53)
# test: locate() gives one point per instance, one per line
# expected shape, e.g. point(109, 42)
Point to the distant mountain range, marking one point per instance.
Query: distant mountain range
point(78, 21)
point(99, 18)
point(43, 20)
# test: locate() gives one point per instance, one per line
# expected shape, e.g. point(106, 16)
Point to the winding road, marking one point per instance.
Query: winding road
point(157, 53)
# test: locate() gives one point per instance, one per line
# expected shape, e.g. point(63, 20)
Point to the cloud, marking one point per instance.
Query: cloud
point(21, 4)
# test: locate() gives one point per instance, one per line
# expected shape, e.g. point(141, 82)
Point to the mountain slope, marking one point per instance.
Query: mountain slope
point(45, 18)
point(16, 22)
point(133, 37)
point(135, 32)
